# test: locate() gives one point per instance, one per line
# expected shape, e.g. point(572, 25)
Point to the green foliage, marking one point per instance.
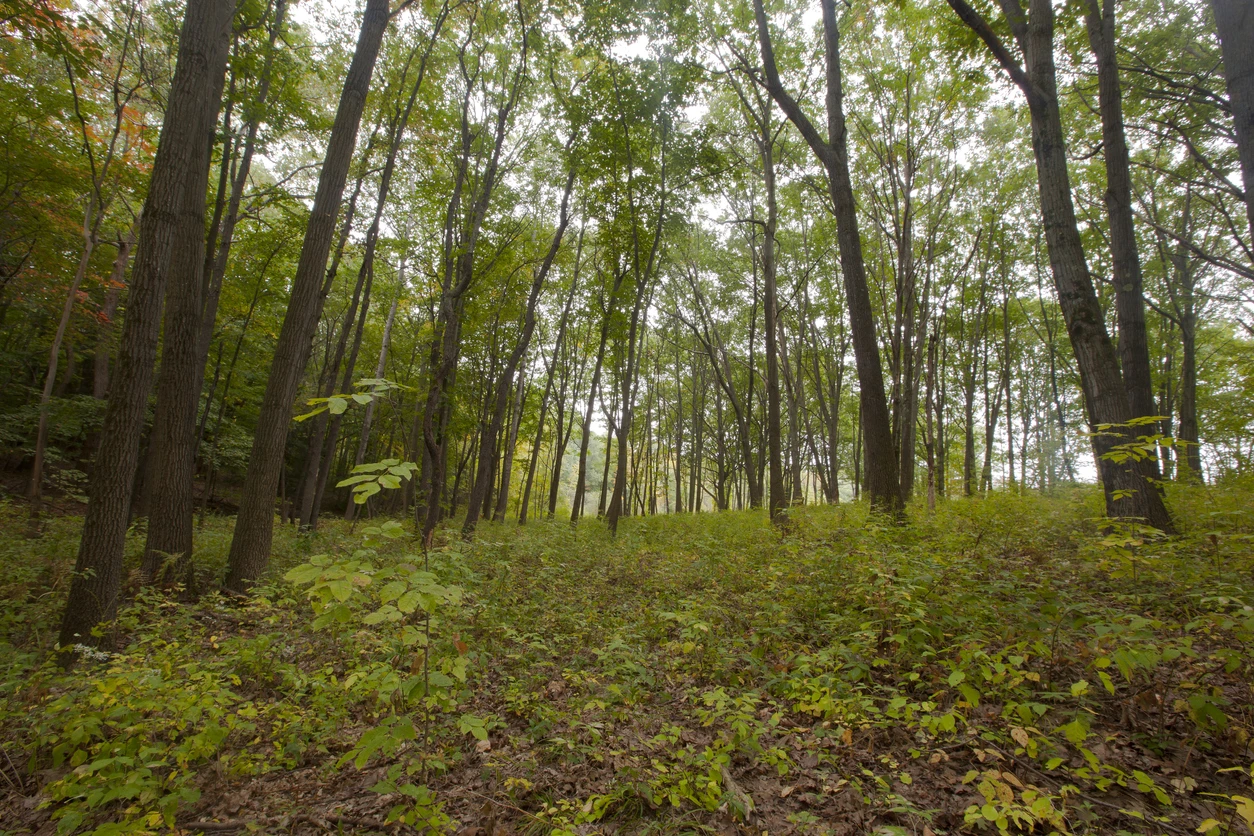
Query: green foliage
point(693, 670)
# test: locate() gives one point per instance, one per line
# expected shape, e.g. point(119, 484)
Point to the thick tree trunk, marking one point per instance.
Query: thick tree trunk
point(1129, 493)
point(172, 442)
point(250, 546)
point(1234, 20)
point(176, 191)
point(1126, 263)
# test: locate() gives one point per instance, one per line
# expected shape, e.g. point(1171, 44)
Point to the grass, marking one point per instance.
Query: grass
point(1001, 665)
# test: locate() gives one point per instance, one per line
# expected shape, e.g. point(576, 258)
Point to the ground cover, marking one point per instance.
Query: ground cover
point(1003, 664)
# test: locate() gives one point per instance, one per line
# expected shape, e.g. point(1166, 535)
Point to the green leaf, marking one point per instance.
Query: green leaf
point(472, 725)
point(303, 573)
point(1075, 732)
point(408, 602)
point(309, 415)
point(392, 591)
point(363, 492)
point(337, 405)
point(970, 694)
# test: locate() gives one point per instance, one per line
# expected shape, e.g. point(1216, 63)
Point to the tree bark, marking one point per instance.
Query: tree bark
point(492, 430)
point(507, 454)
point(882, 480)
point(1126, 263)
point(254, 527)
point(108, 313)
point(1129, 493)
point(176, 197)
point(1234, 20)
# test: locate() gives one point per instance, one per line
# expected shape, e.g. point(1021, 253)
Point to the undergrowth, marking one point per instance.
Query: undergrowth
point(1002, 665)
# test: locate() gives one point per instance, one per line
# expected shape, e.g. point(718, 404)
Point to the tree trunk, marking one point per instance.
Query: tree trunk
point(507, 456)
point(558, 342)
point(364, 442)
point(492, 429)
point(172, 442)
point(108, 312)
point(250, 546)
point(577, 501)
point(774, 430)
point(91, 226)
point(1234, 20)
point(1126, 263)
point(1128, 491)
point(883, 484)
point(176, 190)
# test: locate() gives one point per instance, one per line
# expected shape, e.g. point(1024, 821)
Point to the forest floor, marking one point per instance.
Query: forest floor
point(998, 665)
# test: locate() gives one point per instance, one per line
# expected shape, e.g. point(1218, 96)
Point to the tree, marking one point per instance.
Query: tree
point(102, 164)
point(882, 479)
point(1126, 263)
point(490, 436)
point(1128, 491)
point(1234, 20)
point(174, 207)
point(250, 545)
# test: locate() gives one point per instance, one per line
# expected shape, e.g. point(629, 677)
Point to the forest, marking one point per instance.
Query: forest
point(554, 417)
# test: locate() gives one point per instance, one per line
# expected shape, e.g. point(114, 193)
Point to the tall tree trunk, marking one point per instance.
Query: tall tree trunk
point(459, 263)
point(1129, 493)
point(250, 546)
point(1234, 20)
point(577, 502)
point(171, 457)
point(380, 367)
point(558, 342)
point(883, 484)
point(678, 427)
point(108, 312)
point(1126, 263)
point(174, 205)
point(774, 430)
point(698, 427)
point(331, 444)
point(215, 271)
point(929, 438)
point(91, 226)
point(507, 455)
point(492, 429)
